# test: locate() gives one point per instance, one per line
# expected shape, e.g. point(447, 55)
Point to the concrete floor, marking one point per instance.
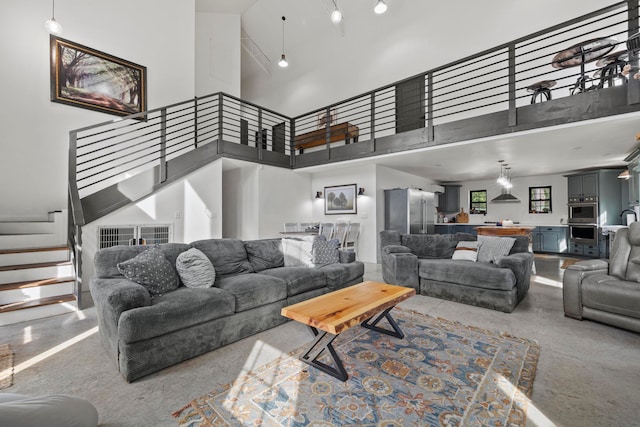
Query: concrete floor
point(588, 373)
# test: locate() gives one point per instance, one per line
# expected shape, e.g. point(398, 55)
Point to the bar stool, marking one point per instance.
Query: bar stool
point(611, 72)
point(541, 90)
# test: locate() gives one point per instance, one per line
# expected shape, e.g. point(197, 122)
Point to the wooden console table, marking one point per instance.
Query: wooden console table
point(341, 132)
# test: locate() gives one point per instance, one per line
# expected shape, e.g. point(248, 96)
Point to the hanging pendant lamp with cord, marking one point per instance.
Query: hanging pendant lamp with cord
point(283, 59)
point(52, 25)
point(380, 7)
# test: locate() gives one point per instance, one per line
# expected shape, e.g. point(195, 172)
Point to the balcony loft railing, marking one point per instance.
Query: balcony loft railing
point(114, 163)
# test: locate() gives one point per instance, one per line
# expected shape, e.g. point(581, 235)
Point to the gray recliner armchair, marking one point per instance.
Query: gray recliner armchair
point(607, 291)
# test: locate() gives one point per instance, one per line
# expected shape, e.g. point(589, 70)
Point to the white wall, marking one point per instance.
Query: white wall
point(217, 58)
point(193, 206)
point(158, 34)
point(519, 211)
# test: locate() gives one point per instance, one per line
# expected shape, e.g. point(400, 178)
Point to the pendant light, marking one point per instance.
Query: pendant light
point(336, 15)
point(283, 59)
point(380, 8)
point(52, 25)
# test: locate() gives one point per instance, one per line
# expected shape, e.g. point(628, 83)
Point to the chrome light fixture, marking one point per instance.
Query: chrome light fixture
point(380, 8)
point(283, 59)
point(502, 179)
point(52, 25)
point(336, 15)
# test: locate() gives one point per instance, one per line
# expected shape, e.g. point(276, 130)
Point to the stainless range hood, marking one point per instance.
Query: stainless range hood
point(505, 197)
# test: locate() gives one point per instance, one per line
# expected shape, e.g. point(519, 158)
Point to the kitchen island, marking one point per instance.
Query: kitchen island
point(511, 230)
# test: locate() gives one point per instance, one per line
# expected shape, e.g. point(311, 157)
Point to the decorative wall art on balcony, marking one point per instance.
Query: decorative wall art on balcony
point(340, 200)
point(91, 79)
point(322, 118)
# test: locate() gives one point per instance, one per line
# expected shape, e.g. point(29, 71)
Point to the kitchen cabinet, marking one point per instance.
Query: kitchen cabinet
point(449, 201)
point(550, 239)
point(583, 187)
point(591, 251)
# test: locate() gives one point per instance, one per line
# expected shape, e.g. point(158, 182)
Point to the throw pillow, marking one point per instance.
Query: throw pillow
point(467, 251)
point(325, 252)
point(493, 248)
point(152, 270)
point(298, 252)
point(195, 269)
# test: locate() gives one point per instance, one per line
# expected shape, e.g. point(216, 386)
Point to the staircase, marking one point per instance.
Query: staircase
point(37, 278)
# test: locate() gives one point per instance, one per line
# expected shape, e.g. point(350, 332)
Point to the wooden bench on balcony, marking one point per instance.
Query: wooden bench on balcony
point(340, 132)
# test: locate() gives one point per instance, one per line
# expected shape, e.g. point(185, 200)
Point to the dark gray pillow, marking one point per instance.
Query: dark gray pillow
point(325, 252)
point(152, 270)
point(195, 269)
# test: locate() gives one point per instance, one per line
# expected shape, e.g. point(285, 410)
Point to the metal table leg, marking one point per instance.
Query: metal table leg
point(316, 349)
point(396, 332)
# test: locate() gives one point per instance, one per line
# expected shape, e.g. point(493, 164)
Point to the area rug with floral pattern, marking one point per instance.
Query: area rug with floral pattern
point(442, 373)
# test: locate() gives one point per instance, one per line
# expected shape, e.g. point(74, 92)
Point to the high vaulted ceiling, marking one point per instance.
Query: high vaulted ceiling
point(418, 35)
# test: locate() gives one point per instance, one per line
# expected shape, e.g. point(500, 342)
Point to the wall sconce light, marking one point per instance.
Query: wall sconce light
point(361, 191)
point(318, 194)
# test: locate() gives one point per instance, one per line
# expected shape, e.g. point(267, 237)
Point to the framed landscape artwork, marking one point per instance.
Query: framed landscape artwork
point(87, 78)
point(340, 200)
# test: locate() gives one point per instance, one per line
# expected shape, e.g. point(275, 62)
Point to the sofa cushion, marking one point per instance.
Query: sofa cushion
point(195, 269)
point(610, 294)
point(466, 251)
point(479, 274)
point(434, 245)
point(151, 269)
point(493, 248)
point(263, 254)
point(339, 275)
point(253, 290)
point(106, 260)
point(228, 256)
point(175, 311)
point(299, 279)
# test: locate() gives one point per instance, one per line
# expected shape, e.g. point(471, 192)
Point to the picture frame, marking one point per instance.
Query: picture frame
point(87, 78)
point(322, 118)
point(341, 199)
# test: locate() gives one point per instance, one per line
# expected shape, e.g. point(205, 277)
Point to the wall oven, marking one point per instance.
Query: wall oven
point(583, 233)
point(583, 213)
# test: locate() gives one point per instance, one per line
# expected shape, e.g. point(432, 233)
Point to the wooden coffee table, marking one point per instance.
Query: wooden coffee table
point(337, 311)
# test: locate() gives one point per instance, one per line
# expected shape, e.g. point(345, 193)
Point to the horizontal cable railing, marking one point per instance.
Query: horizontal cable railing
point(546, 65)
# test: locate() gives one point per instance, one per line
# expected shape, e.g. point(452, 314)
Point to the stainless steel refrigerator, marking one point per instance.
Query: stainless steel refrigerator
point(409, 211)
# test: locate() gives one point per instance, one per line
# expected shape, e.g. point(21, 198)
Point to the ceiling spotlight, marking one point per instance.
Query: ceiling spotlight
point(52, 25)
point(380, 8)
point(283, 59)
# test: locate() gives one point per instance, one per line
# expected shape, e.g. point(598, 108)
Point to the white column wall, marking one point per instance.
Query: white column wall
point(217, 53)
point(158, 34)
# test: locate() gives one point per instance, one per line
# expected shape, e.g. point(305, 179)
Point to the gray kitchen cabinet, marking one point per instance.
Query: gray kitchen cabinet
point(582, 187)
point(449, 201)
point(550, 239)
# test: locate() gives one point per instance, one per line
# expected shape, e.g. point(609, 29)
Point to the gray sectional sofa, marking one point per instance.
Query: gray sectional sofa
point(145, 334)
point(423, 262)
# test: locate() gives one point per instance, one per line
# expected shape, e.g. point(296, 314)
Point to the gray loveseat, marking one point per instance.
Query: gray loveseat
point(145, 334)
point(423, 262)
point(607, 292)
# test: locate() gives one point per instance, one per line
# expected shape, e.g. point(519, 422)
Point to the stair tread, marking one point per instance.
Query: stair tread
point(36, 283)
point(36, 303)
point(37, 265)
point(27, 250)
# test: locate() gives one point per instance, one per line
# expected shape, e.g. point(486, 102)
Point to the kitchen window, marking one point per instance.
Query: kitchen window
point(478, 202)
point(540, 199)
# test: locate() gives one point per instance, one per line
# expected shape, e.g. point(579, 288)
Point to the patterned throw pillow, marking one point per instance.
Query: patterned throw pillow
point(467, 251)
point(195, 269)
point(325, 252)
point(493, 248)
point(152, 270)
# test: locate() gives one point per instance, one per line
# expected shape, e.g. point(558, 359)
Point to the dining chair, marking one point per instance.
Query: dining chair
point(308, 226)
point(351, 238)
point(326, 229)
point(290, 226)
point(340, 232)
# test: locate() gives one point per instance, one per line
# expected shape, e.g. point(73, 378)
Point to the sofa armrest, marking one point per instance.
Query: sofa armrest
point(346, 257)
point(400, 266)
point(572, 284)
point(521, 264)
point(112, 297)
